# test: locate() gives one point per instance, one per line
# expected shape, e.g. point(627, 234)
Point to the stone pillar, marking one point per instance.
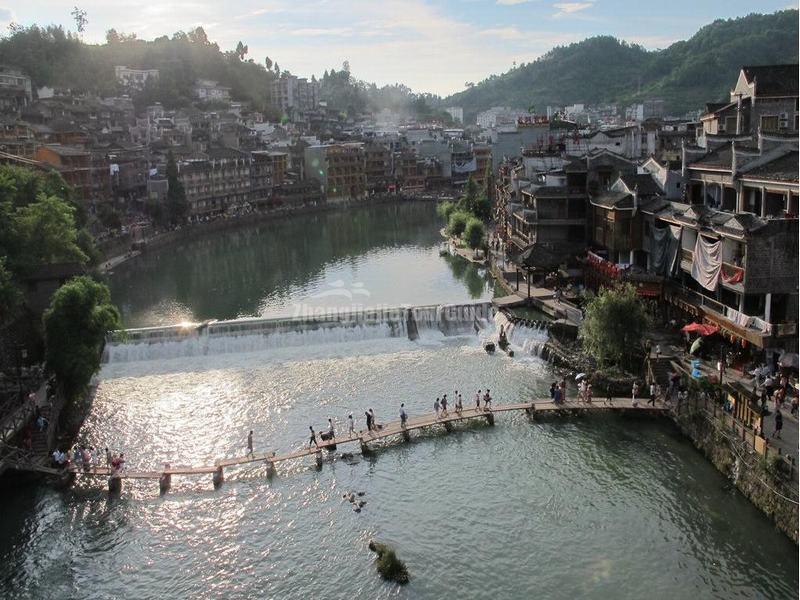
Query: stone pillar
point(406, 435)
point(218, 477)
point(364, 448)
point(318, 458)
point(490, 418)
point(164, 483)
point(448, 426)
point(763, 202)
point(114, 485)
point(767, 307)
point(271, 471)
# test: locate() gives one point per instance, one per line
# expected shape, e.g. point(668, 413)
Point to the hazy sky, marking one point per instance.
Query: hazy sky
point(429, 45)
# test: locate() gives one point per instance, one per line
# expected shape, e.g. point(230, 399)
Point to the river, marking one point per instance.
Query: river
point(599, 507)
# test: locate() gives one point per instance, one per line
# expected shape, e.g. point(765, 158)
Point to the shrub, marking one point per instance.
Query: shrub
point(474, 233)
point(389, 566)
point(457, 223)
point(445, 209)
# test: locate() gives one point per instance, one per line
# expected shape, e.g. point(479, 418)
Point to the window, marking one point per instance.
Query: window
point(769, 122)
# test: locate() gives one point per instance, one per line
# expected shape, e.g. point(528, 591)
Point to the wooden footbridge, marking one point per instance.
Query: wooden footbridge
point(363, 438)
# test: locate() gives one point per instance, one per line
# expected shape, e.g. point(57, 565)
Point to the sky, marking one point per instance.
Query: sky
point(429, 45)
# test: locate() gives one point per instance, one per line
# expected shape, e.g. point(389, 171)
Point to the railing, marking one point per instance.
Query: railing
point(702, 300)
point(687, 255)
point(732, 273)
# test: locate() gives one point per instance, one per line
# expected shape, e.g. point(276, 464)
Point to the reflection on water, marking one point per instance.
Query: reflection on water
point(384, 255)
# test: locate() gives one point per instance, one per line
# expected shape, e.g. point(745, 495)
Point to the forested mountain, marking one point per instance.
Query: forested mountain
point(604, 69)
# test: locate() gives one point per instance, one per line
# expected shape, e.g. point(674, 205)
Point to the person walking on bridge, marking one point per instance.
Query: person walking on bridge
point(313, 438)
point(403, 415)
point(250, 443)
point(369, 420)
point(351, 424)
point(478, 400)
point(444, 405)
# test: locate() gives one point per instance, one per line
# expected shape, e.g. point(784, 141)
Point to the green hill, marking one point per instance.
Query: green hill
point(603, 69)
point(54, 57)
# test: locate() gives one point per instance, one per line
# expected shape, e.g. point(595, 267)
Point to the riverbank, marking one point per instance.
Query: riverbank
point(118, 251)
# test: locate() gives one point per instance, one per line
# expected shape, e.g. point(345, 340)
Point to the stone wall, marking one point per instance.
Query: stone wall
point(766, 480)
point(771, 262)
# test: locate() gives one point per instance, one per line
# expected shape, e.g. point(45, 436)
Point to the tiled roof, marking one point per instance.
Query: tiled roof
point(614, 200)
point(784, 168)
point(647, 185)
point(773, 80)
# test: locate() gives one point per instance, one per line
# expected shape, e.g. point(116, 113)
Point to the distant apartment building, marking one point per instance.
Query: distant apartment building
point(377, 166)
point(15, 89)
point(207, 90)
point(74, 164)
point(498, 115)
point(290, 93)
point(267, 171)
point(457, 112)
point(216, 184)
point(134, 79)
point(340, 169)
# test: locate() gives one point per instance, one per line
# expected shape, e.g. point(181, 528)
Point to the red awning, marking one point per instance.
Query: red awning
point(700, 328)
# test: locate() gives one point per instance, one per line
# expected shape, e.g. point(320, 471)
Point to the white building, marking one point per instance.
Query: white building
point(134, 78)
point(456, 112)
point(498, 115)
point(208, 90)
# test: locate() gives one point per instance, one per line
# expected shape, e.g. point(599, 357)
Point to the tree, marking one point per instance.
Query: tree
point(457, 223)
point(445, 209)
point(79, 16)
point(268, 63)
point(241, 50)
point(75, 325)
point(614, 323)
point(47, 233)
point(474, 233)
point(10, 296)
point(177, 206)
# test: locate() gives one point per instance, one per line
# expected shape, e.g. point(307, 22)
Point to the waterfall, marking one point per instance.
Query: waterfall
point(528, 336)
point(258, 334)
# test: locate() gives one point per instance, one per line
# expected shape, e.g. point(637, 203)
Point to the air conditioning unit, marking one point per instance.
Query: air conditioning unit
point(784, 120)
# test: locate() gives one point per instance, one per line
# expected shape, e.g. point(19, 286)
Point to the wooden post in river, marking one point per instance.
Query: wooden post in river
point(218, 477)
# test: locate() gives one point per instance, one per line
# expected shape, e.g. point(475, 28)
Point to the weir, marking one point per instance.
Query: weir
point(255, 334)
point(531, 336)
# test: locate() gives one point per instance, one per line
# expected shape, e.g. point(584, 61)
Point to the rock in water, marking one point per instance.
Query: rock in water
point(389, 566)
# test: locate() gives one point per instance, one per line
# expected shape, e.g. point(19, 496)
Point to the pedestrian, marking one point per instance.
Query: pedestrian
point(553, 391)
point(589, 393)
point(487, 401)
point(652, 393)
point(778, 424)
point(250, 443)
point(436, 407)
point(375, 425)
point(478, 400)
point(313, 437)
point(108, 457)
point(351, 424)
point(331, 432)
point(369, 420)
point(444, 405)
point(658, 351)
point(634, 393)
point(403, 415)
point(459, 405)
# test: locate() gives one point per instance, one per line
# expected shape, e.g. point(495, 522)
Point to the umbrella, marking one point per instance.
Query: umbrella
point(700, 328)
point(695, 345)
point(580, 376)
point(789, 360)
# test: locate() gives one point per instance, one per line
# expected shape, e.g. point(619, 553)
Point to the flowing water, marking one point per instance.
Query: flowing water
point(598, 507)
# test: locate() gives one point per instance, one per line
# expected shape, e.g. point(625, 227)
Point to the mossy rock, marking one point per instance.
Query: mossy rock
point(389, 566)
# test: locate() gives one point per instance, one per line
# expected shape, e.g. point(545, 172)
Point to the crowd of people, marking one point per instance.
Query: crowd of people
point(88, 457)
